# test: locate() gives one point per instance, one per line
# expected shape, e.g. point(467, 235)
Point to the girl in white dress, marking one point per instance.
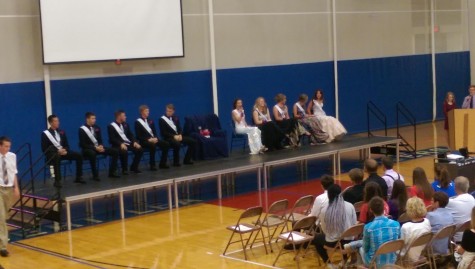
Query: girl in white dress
point(241, 127)
point(309, 121)
point(330, 125)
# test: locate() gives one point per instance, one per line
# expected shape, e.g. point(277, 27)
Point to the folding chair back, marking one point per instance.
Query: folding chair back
point(278, 207)
point(394, 246)
point(305, 224)
point(403, 218)
point(302, 206)
point(354, 231)
point(251, 212)
point(446, 232)
point(422, 240)
point(462, 227)
point(274, 218)
point(425, 257)
point(358, 206)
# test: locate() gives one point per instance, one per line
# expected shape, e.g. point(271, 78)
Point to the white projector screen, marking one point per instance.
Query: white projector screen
point(98, 30)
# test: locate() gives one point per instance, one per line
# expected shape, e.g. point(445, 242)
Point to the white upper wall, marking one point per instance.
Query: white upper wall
point(255, 33)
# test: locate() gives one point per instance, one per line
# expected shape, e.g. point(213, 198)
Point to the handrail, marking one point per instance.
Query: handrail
point(372, 109)
point(401, 109)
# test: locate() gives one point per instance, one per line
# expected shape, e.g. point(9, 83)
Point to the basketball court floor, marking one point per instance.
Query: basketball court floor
point(192, 236)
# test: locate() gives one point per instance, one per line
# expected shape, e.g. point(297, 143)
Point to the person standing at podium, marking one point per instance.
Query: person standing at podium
point(449, 104)
point(469, 101)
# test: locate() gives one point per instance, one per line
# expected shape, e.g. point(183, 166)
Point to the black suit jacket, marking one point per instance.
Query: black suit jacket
point(373, 177)
point(166, 131)
point(84, 140)
point(115, 139)
point(46, 143)
point(142, 134)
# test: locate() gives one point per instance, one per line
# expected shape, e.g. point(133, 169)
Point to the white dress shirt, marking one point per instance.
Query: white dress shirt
point(10, 159)
point(461, 208)
point(390, 176)
point(320, 203)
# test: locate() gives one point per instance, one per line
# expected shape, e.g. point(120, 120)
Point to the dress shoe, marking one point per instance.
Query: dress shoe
point(125, 173)
point(188, 162)
point(164, 166)
point(137, 171)
point(4, 253)
point(96, 178)
point(153, 168)
point(114, 175)
point(177, 164)
point(80, 180)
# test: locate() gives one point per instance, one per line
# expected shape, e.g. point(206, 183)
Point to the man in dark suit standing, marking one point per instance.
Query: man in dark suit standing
point(170, 130)
point(55, 146)
point(468, 101)
point(371, 167)
point(121, 138)
point(147, 136)
point(90, 141)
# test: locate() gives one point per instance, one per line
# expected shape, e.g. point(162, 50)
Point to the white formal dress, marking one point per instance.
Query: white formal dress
point(330, 125)
point(253, 133)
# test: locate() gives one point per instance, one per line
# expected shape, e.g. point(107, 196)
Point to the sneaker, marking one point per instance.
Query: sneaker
point(4, 253)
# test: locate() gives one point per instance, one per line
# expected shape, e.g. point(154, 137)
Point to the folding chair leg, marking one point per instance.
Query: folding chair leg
point(229, 243)
point(264, 240)
point(244, 246)
point(280, 252)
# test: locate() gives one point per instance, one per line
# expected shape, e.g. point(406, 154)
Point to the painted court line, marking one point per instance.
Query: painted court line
point(250, 262)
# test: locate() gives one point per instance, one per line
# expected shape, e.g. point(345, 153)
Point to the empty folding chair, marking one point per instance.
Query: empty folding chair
point(300, 209)
point(394, 246)
point(274, 218)
point(353, 232)
point(242, 228)
point(444, 233)
point(425, 258)
point(299, 237)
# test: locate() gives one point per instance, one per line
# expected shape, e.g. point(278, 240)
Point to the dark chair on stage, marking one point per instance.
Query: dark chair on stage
point(209, 147)
point(238, 139)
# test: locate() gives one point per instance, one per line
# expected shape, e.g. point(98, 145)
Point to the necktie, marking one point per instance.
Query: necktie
point(5, 172)
point(471, 101)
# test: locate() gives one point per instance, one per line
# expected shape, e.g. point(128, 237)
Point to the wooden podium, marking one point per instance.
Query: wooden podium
point(462, 129)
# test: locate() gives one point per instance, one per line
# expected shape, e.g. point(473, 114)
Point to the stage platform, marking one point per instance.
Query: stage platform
point(237, 163)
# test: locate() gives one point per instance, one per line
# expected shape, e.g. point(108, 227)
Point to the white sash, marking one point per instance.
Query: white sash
point(170, 122)
point(90, 135)
point(120, 131)
point(53, 140)
point(282, 113)
point(300, 108)
point(262, 115)
point(146, 126)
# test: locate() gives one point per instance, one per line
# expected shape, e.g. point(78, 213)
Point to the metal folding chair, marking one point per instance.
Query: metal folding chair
point(446, 232)
point(300, 209)
point(394, 246)
point(354, 231)
point(241, 228)
point(425, 257)
point(299, 237)
point(274, 218)
point(461, 228)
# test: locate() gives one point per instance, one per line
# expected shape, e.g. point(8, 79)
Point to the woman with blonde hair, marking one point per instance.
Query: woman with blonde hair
point(309, 122)
point(410, 231)
point(271, 134)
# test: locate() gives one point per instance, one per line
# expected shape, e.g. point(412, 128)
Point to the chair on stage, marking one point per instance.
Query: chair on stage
point(300, 238)
point(424, 259)
point(244, 226)
point(49, 171)
point(445, 233)
point(355, 232)
point(300, 210)
point(212, 147)
point(274, 218)
point(394, 246)
point(239, 139)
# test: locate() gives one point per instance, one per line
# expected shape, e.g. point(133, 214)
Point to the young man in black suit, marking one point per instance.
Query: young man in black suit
point(55, 146)
point(170, 130)
point(147, 136)
point(90, 141)
point(122, 138)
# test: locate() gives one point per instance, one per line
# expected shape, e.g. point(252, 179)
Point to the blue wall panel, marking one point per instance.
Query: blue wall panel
point(22, 110)
point(189, 91)
point(384, 81)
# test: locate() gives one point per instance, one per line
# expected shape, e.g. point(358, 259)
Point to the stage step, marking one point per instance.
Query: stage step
point(29, 195)
point(31, 210)
point(18, 224)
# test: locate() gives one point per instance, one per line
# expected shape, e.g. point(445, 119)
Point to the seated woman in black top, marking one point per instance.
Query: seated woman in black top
point(290, 126)
point(467, 249)
point(271, 134)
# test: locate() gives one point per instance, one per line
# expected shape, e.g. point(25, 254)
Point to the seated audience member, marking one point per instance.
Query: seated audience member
point(321, 202)
point(172, 133)
point(90, 142)
point(371, 190)
point(122, 139)
point(397, 203)
point(390, 176)
point(416, 211)
point(371, 167)
point(288, 125)
point(330, 125)
point(421, 187)
point(354, 193)
point(335, 219)
point(309, 122)
point(442, 182)
point(376, 233)
point(147, 136)
point(440, 217)
point(253, 133)
point(55, 146)
point(461, 205)
point(272, 135)
point(467, 247)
